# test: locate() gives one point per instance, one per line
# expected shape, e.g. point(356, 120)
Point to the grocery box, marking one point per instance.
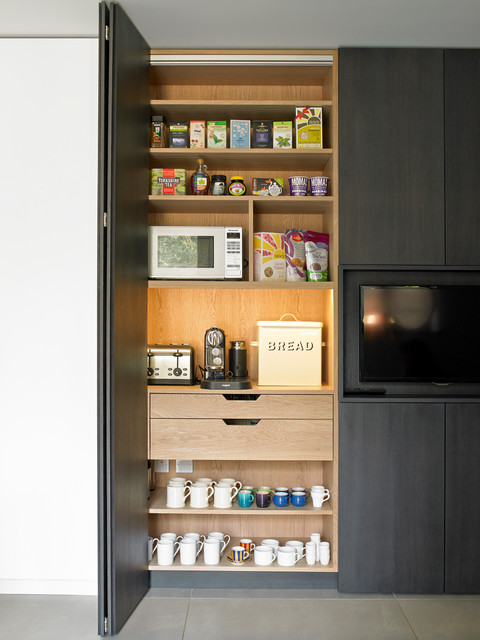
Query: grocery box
point(197, 134)
point(168, 182)
point(289, 352)
point(283, 135)
point(217, 134)
point(262, 134)
point(240, 134)
point(178, 134)
point(267, 186)
point(269, 256)
point(308, 127)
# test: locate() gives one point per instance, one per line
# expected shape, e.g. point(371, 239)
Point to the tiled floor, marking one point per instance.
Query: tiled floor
point(242, 614)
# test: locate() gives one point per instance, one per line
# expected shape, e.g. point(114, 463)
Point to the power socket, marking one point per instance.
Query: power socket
point(162, 466)
point(184, 466)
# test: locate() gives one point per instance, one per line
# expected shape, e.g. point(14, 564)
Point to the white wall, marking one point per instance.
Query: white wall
point(48, 182)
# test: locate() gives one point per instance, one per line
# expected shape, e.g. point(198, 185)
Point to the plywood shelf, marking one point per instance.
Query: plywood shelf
point(231, 204)
point(158, 504)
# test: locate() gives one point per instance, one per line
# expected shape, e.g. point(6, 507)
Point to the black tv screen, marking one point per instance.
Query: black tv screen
point(420, 333)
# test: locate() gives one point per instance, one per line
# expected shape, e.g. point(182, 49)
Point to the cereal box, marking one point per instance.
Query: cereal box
point(269, 256)
point(308, 126)
point(240, 134)
point(197, 134)
point(168, 182)
point(283, 135)
point(217, 134)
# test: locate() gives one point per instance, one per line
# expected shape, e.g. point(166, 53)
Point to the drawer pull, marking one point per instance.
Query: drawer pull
point(248, 397)
point(245, 422)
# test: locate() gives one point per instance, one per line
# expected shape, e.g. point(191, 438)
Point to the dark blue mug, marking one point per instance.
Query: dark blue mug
point(280, 499)
point(299, 499)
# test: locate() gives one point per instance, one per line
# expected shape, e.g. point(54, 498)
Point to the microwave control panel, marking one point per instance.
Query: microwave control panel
point(233, 252)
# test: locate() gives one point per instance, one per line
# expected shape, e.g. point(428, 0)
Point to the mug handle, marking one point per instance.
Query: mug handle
point(188, 490)
point(326, 495)
point(307, 495)
point(224, 546)
point(213, 483)
point(238, 483)
point(274, 557)
point(209, 495)
point(204, 537)
point(226, 543)
point(235, 492)
point(188, 483)
point(246, 555)
point(200, 542)
point(252, 498)
point(155, 545)
point(299, 558)
point(175, 551)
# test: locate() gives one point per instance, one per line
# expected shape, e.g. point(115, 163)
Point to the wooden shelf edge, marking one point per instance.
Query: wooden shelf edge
point(249, 566)
point(243, 284)
point(160, 388)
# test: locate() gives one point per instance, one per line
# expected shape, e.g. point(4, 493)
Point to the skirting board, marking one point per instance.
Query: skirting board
point(231, 580)
point(50, 587)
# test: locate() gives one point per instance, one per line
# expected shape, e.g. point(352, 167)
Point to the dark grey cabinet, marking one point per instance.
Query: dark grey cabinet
point(462, 164)
point(462, 512)
point(391, 497)
point(391, 165)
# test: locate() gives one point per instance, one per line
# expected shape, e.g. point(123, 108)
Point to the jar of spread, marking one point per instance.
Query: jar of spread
point(237, 186)
point(218, 185)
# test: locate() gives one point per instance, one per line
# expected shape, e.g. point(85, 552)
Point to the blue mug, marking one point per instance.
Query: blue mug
point(299, 499)
point(245, 499)
point(280, 499)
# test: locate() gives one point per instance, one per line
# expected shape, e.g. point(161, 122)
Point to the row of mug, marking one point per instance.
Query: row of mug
point(226, 490)
point(268, 551)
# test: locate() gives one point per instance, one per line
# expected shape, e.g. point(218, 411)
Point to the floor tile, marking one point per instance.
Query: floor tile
point(291, 594)
point(48, 617)
point(164, 592)
point(156, 619)
point(266, 619)
point(443, 617)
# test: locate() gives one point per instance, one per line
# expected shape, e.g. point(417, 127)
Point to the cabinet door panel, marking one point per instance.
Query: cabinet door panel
point(124, 110)
point(391, 491)
point(462, 513)
point(391, 145)
point(462, 164)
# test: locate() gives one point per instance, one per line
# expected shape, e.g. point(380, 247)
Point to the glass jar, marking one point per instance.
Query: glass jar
point(218, 186)
point(237, 186)
point(158, 136)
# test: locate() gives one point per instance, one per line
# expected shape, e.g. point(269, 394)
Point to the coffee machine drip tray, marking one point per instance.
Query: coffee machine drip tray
point(227, 383)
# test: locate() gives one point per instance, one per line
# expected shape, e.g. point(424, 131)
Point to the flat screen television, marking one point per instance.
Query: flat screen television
point(420, 333)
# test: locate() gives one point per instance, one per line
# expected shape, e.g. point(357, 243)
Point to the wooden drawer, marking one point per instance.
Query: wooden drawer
point(213, 439)
point(205, 405)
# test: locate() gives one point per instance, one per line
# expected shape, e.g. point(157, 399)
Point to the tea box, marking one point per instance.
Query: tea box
point(283, 135)
point(168, 182)
point(217, 134)
point(197, 134)
point(269, 256)
point(262, 134)
point(240, 134)
point(308, 126)
point(267, 186)
point(178, 135)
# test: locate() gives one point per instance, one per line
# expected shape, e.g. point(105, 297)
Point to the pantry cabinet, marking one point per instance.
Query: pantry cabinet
point(262, 436)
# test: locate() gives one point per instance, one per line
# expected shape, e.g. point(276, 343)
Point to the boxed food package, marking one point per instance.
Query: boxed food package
point(289, 352)
point(282, 135)
point(168, 182)
point(295, 255)
point(308, 127)
point(197, 134)
point(240, 134)
point(262, 134)
point(316, 255)
point(269, 256)
point(217, 134)
point(267, 186)
point(178, 134)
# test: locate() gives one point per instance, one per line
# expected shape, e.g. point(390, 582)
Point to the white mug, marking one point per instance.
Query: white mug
point(193, 536)
point(207, 481)
point(212, 550)
point(224, 539)
point(311, 552)
point(224, 495)
point(189, 550)
point(315, 537)
point(166, 552)
point(263, 555)
point(176, 495)
point(232, 482)
point(271, 542)
point(319, 495)
point(169, 536)
point(287, 556)
point(298, 546)
point(200, 495)
point(324, 553)
point(183, 481)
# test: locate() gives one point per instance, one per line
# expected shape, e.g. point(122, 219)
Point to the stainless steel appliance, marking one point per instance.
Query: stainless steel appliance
point(170, 364)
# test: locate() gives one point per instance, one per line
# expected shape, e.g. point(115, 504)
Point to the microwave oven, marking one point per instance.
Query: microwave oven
point(202, 253)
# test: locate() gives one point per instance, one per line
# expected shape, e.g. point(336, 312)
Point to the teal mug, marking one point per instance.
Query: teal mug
point(245, 499)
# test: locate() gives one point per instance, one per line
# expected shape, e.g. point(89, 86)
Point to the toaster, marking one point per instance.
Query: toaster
point(170, 364)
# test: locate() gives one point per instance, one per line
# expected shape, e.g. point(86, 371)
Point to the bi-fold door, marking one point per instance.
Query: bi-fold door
point(122, 312)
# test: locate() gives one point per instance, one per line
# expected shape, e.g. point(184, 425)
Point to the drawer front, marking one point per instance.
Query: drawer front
point(214, 439)
point(204, 405)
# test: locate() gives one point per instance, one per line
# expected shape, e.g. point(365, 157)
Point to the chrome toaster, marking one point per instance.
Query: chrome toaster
point(170, 364)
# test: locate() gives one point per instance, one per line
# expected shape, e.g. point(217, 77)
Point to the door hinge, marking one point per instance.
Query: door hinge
point(104, 218)
point(105, 625)
point(106, 32)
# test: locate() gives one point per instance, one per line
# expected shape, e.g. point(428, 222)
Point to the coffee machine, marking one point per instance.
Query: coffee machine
point(216, 375)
